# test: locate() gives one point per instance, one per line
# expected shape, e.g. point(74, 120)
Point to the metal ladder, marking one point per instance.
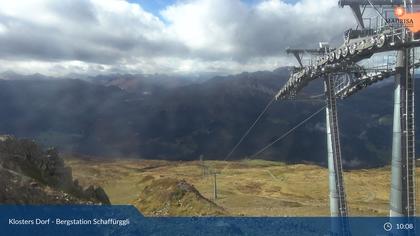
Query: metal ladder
point(409, 157)
point(338, 167)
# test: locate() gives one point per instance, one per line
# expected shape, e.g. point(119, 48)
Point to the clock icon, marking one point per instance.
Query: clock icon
point(387, 226)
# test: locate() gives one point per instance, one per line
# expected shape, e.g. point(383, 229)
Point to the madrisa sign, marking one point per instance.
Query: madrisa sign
point(410, 20)
point(400, 22)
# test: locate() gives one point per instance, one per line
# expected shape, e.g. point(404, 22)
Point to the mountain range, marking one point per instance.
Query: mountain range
point(176, 118)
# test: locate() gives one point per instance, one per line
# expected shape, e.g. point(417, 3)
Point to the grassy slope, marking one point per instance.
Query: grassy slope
point(250, 188)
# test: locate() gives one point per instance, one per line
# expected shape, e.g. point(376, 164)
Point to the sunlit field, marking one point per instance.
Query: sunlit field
point(244, 188)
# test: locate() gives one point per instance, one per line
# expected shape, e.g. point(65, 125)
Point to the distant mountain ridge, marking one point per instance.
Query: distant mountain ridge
point(127, 117)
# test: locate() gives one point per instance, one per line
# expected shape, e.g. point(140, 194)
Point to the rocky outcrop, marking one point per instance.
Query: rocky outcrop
point(31, 175)
point(96, 192)
point(172, 197)
point(16, 188)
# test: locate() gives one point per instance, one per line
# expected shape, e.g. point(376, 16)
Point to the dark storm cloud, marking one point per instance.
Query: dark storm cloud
point(25, 39)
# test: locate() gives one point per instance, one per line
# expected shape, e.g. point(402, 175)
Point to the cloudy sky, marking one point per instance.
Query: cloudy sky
point(57, 37)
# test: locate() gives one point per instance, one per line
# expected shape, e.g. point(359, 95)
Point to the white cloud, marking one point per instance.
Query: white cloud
point(208, 25)
point(96, 36)
point(3, 29)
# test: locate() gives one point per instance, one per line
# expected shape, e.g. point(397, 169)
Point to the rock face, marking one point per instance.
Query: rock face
point(30, 175)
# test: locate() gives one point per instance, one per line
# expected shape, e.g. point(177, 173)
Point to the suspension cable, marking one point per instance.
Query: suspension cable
point(249, 129)
point(281, 137)
point(287, 133)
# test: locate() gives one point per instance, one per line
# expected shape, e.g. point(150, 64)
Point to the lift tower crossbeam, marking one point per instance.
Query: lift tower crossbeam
point(299, 52)
point(356, 4)
point(343, 3)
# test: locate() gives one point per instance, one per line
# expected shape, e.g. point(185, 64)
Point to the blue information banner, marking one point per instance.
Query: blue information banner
point(126, 220)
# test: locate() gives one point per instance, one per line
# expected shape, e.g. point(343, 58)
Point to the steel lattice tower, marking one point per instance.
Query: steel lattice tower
point(343, 77)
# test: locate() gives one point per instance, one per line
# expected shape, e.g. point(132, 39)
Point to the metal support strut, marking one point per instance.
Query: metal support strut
point(338, 204)
point(403, 146)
